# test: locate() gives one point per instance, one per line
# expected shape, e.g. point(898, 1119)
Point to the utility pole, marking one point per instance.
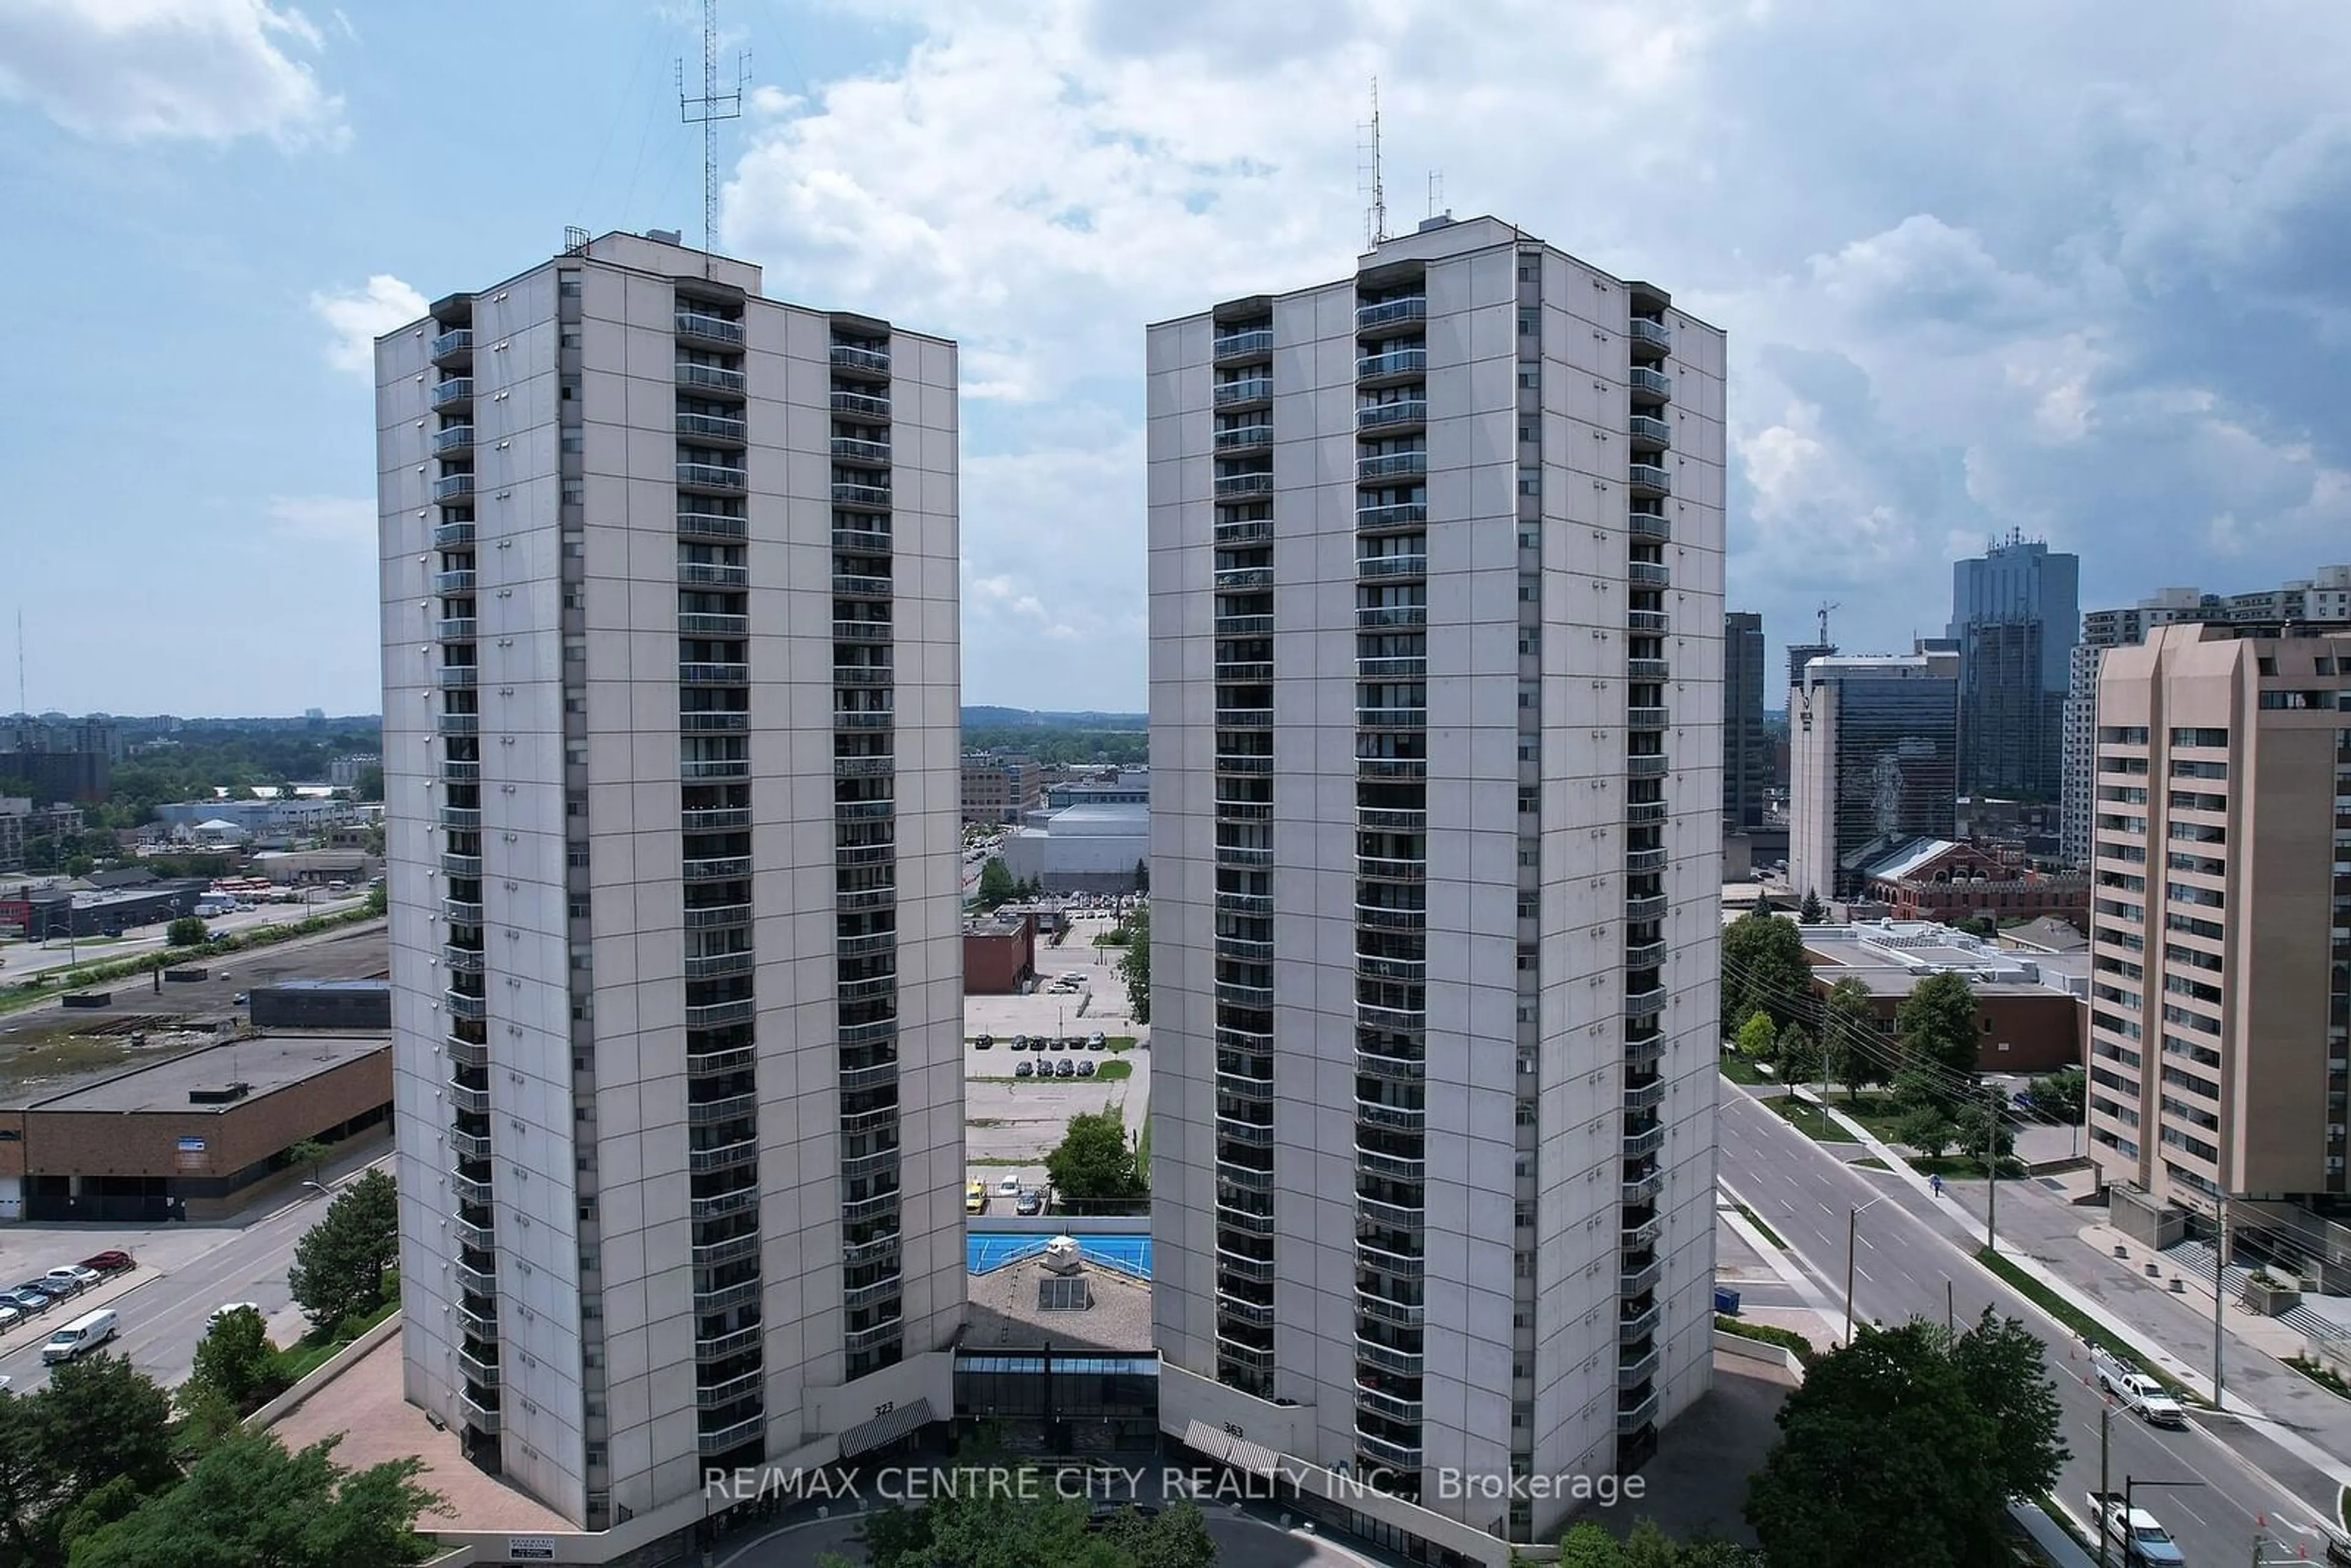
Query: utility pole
point(2105, 1426)
point(1991, 1163)
point(2220, 1289)
point(1951, 1307)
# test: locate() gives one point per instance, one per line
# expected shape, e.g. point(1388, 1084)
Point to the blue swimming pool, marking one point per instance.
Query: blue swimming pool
point(1128, 1254)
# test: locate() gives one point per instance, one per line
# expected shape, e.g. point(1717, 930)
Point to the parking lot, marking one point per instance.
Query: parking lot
point(1011, 1122)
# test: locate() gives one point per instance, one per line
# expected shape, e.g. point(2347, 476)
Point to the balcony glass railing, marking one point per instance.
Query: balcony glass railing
point(1249, 340)
point(456, 438)
point(1385, 415)
point(1651, 383)
point(457, 390)
point(718, 377)
point(712, 329)
point(857, 357)
point(1405, 307)
point(1392, 465)
point(713, 476)
point(1395, 362)
point(1396, 515)
point(456, 340)
point(1244, 435)
point(858, 449)
point(1649, 476)
point(1654, 333)
point(1253, 389)
point(866, 405)
point(715, 426)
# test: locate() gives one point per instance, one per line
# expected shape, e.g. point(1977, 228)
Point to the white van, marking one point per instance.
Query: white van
point(85, 1334)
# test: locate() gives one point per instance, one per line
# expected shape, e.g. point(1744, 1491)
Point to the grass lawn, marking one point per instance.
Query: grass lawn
point(1117, 1042)
point(1739, 1069)
point(1113, 1071)
point(1807, 1119)
point(314, 1350)
point(1871, 1164)
point(2318, 1372)
point(2087, 1328)
point(1756, 1220)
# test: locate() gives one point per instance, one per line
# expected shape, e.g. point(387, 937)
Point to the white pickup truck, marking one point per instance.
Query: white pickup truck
point(2139, 1393)
point(2144, 1543)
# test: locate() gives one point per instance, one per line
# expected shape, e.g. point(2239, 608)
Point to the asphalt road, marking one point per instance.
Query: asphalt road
point(164, 1305)
point(1911, 1250)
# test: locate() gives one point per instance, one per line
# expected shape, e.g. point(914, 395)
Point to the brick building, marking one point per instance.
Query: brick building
point(1937, 879)
point(998, 955)
point(2029, 1013)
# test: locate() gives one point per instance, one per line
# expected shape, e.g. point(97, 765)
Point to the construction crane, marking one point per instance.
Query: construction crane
point(1826, 605)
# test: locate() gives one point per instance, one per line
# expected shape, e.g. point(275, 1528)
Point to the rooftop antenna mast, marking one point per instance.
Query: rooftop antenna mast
point(21, 705)
point(1436, 192)
point(1826, 605)
point(1375, 222)
point(707, 111)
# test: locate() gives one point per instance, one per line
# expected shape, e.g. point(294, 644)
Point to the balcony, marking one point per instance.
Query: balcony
point(1243, 578)
point(717, 1206)
point(1648, 574)
point(724, 1156)
point(1379, 1453)
point(1637, 1370)
point(1643, 955)
point(1646, 1141)
point(1251, 389)
point(478, 1416)
point(1244, 438)
point(710, 378)
point(1391, 465)
point(449, 676)
point(1631, 1418)
point(863, 542)
point(720, 526)
point(1643, 1189)
point(450, 489)
point(463, 865)
point(697, 326)
point(1648, 480)
point(451, 536)
point(454, 344)
point(475, 1281)
point(1647, 669)
point(461, 912)
point(857, 1253)
point(472, 1233)
point(1394, 1167)
point(856, 357)
point(862, 718)
point(733, 1435)
point(719, 427)
point(1632, 1328)
point(847, 494)
point(1394, 515)
point(1643, 907)
point(454, 629)
point(1645, 1052)
point(1634, 1237)
point(1649, 431)
point(1651, 334)
point(714, 476)
point(469, 1145)
point(1646, 766)
point(1385, 312)
point(1397, 1265)
point(1388, 1358)
point(455, 393)
point(1399, 415)
point(1379, 568)
point(455, 440)
point(1407, 718)
point(1388, 1406)
point(732, 1391)
point(1241, 1310)
point(880, 1334)
point(697, 673)
point(1647, 622)
point(1644, 813)
point(1646, 382)
point(1650, 526)
point(469, 1191)
point(1392, 1118)
point(459, 582)
point(857, 449)
point(461, 1006)
point(1251, 856)
point(1249, 343)
point(1391, 868)
point(864, 405)
point(1245, 903)
point(1248, 1178)
point(1229, 485)
point(712, 574)
point(467, 1053)
point(726, 1346)
point(1409, 363)
point(719, 1015)
point(482, 1327)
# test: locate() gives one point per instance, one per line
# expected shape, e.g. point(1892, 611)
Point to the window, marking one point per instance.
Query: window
point(576, 907)
point(1530, 323)
point(1529, 435)
point(575, 650)
point(1530, 588)
point(2119, 735)
point(1530, 481)
point(1530, 802)
point(1530, 377)
point(574, 494)
point(1530, 906)
point(567, 284)
point(1529, 639)
point(569, 338)
point(575, 440)
point(2217, 737)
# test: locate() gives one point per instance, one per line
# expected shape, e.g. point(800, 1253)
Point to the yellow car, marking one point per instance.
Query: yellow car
point(974, 1198)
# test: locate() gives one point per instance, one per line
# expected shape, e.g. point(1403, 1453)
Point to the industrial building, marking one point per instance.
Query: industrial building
point(1081, 849)
point(1436, 620)
point(669, 598)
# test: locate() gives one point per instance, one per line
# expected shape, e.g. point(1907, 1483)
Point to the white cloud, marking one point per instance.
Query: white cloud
point(360, 315)
point(140, 70)
point(324, 520)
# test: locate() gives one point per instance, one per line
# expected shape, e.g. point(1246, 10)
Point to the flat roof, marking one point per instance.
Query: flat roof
point(1891, 956)
point(326, 985)
point(1004, 1314)
point(266, 1062)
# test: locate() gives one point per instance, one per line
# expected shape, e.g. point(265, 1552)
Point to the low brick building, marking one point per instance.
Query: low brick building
point(187, 1136)
point(2029, 1014)
point(1000, 954)
point(1937, 879)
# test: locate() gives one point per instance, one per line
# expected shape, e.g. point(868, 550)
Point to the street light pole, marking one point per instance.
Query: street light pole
point(1992, 1164)
point(1852, 1235)
point(2106, 1430)
point(2220, 1284)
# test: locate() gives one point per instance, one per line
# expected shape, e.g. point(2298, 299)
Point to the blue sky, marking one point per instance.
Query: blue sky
point(2075, 269)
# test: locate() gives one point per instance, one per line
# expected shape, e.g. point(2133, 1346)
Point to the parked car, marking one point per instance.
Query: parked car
point(239, 1000)
point(982, 1043)
point(79, 1273)
point(974, 1198)
point(1065, 1068)
point(111, 1261)
point(1030, 1203)
point(1097, 1041)
point(1025, 1069)
point(1008, 1187)
point(30, 1303)
point(10, 1317)
point(1086, 1070)
point(2144, 1543)
point(1060, 1044)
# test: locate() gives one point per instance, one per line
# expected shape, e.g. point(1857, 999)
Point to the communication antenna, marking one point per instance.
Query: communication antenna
point(21, 707)
point(1826, 605)
point(707, 111)
point(1367, 174)
point(1436, 193)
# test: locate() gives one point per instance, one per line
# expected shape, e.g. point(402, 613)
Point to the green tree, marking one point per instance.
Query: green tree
point(1927, 1129)
point(1134, 965)
point(249, 1502)
point(69, 1451)
point(2006, 1371)
point(339, 1263)
point(1093, 1164)
point(186, 932)
point(1649, 1547)
point(1984, 1132)
point(369, 785)
point(995, 884)
point(2060, 1095)
point(1884, 1457)
point(1763, 969)
point(1811, 912)
point(235, 1359)
point(311, 1155)
point(378, 900)
point(1757, 1040)
point(1936, 1028)
point(1587, 1545)
point(1849, 1037)
point(1915, 1089)
point(1178, 1537)
point(1143, 875)
point(1799, 1055)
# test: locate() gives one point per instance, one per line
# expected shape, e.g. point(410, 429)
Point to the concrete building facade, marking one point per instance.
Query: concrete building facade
point(670, 740)
point(1746, 746)
point(1873, 764)
point(1435, 610)
point(2220, 918)
point(2015, 616)
point(1082, 847)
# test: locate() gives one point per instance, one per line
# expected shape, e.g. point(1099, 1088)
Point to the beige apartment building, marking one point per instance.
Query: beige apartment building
point(2221, 909)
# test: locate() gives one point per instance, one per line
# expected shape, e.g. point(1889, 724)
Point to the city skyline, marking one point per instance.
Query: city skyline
point(1932, 349)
